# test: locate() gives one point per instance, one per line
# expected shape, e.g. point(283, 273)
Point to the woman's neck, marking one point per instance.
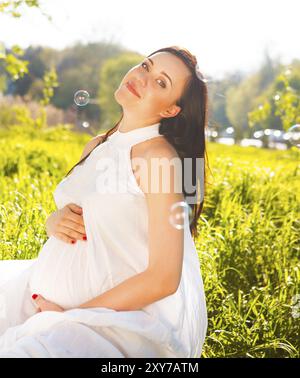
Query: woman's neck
point(129, 124)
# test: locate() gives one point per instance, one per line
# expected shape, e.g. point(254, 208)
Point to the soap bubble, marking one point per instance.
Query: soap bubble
point(85, 124)
point(294, 135)
point(81, 98)
point(178, 213)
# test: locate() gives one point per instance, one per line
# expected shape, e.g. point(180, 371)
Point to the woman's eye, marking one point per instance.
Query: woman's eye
point(164, 85)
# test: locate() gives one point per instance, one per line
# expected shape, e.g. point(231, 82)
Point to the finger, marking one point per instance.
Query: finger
point(73, 226)
point(38, 299)
point(75, 208)
point(65, 238)
point(71, 233)
point(75, 218)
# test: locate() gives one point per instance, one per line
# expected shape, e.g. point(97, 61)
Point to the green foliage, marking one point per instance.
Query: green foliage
point(21, 115)
point(50, 82)
point(287, 100)
point(11, 7)
point(239, 101)
point(14, 66)
point(2, 84)
point(27, 114)
point(217, 100)
point(260, 116)
point(78, 68)
point(71, 81)
point(244, 96)
point(7, 116)
point(282, 99)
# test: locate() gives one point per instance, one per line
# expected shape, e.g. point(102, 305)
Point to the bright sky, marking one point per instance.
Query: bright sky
point(225, 35)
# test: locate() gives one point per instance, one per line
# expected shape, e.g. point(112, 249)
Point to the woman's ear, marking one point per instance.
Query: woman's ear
point(172, 111)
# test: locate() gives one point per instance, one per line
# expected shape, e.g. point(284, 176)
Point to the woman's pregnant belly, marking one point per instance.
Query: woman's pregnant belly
point(62, 273)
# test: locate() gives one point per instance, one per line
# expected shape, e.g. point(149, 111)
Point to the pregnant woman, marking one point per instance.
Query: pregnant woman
point(119, 275)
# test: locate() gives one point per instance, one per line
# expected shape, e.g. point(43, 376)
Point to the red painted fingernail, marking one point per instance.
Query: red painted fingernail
point(84, 238)
point(73, 241)
point(34, 296)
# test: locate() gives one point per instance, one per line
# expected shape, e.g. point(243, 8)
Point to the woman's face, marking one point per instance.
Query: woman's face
point(159, 85)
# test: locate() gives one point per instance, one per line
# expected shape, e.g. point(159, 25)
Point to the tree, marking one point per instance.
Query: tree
point(281, 100)
point(288, 99)
point(218, 119)
point(17, 68)
point(248, 95)
point(11, 62)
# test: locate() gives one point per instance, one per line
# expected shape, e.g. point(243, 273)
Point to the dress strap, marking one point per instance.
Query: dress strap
point(130, 138)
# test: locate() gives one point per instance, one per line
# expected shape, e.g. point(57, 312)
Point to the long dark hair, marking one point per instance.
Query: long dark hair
point(186, 131)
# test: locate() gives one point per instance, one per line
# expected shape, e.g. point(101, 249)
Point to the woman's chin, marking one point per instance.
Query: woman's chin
point(120, 98)
point(124, 97)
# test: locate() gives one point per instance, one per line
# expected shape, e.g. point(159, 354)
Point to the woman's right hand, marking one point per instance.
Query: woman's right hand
point(66, 224)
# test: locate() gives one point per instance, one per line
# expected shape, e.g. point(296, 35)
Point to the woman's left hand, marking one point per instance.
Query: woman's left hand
point(45, 305)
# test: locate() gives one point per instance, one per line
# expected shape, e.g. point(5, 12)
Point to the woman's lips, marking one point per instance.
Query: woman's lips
point(132, 90)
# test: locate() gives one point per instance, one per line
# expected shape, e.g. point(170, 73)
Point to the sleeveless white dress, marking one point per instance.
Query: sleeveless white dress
point(116, 221)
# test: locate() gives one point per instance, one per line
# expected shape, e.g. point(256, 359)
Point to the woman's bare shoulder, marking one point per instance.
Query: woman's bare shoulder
point(91, 144)
point(161, 148)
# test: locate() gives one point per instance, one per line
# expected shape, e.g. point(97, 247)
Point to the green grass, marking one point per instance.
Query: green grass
point(249, 252)
point(248, 244)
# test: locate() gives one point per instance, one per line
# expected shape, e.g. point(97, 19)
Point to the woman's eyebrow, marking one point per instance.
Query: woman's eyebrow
point(162, 72)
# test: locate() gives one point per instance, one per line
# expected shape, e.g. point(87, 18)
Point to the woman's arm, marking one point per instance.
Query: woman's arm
point(132, 294)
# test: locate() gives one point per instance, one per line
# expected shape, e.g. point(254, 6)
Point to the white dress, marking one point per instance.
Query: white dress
point(116, 222)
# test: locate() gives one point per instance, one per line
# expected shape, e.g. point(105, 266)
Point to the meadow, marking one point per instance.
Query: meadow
point(248, 243)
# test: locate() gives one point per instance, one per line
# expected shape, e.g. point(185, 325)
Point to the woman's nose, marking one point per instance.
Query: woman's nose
point(142, 78)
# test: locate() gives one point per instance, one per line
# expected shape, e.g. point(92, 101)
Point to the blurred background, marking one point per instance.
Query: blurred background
point(60, 63)
point(246, 50)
